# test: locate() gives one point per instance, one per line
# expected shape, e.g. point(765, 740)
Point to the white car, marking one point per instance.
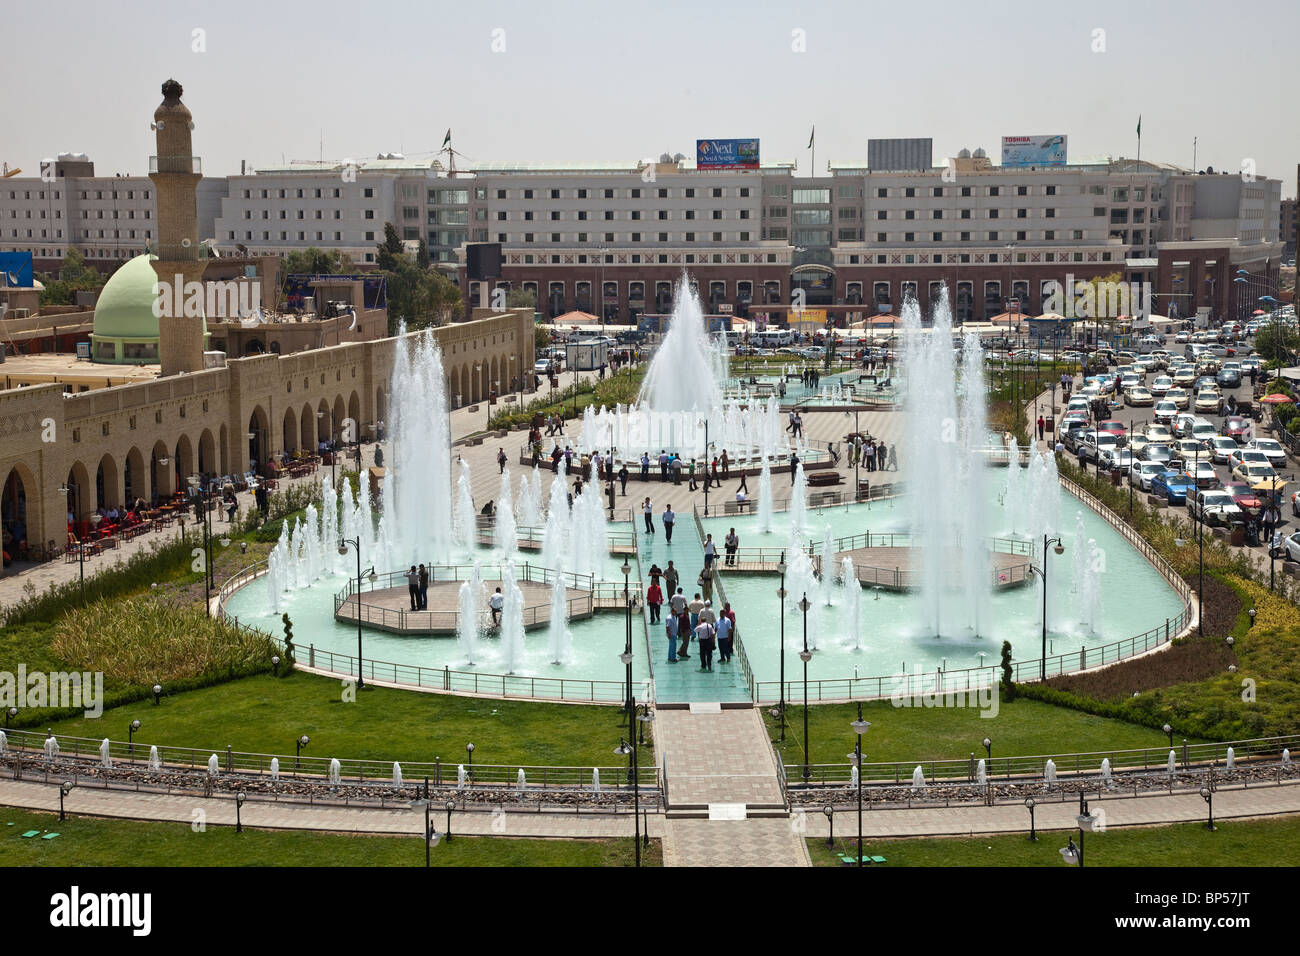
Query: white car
point(1215, 507)
point(1203, 473)
point(1158, 432)
point(1161, 385)
point(1221, 450)
point(1248, 455)
point(1272, 450)
point(1141, 472)
point(1289, 550)
point(1138, 395)
point(1165, 411)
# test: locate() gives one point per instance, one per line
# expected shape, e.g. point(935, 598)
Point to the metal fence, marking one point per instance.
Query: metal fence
point(963, 770)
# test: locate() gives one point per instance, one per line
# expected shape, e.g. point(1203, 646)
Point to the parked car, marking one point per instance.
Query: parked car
point(1207, 402)
point(1221, 449)
point(1245, 498)
point(1112, 459)
point(1112, 427)
point(1179, 397)
point(1173, 486)
point(1214, 507)
point(1139, 396)
point(1236, 427)
point(1161, 385)
point(1203, 473)
point(1229, 377)
point(1165, 411)
point(1247, 454)
point(1140, 473)
point(1272, 449)
point(1158, 452)
point(1289, 549)
point(1255, 474)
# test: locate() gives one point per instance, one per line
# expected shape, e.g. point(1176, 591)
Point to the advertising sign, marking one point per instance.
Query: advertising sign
point(1033, 150)
point(726, 153)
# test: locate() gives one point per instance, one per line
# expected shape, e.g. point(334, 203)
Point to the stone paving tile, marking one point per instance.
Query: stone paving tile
point(754, 842)
point(717, 758)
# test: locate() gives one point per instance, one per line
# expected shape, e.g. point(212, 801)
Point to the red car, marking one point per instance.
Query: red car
point(1113, 428)
point(1244, 498)
point(1235, 427)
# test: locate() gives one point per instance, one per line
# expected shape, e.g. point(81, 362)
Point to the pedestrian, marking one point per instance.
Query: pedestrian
point(645, 466)
point(1041, 424)
point(710, 551)
point(648, 510)
point(663, 465)
point(794, 466)
point(742, 488)
point(695, 606)
point(413, 586)
point(790, 427)
point(705, 582)
point(731, 543)
point(622, 478)
point(677, 469)
point(723, 631)
point(670, 580)
point(882, 454)
point(869, 454)
point(690, 476)
point(717, 482)
point(496, 602)
point(669, 519)
point(704, 637)
point(726, 465)
point(893, 457)
point(501, 461)
point(609, 493)
point(654, 598)
point(670, 627)
point(423, 603)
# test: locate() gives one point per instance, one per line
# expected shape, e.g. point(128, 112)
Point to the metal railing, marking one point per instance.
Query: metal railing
point(963, 769)
point(350, 771)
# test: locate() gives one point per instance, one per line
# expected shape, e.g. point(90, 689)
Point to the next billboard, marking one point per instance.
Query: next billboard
point(726, 153)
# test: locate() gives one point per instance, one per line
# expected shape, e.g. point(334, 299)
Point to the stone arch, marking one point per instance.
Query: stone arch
point(135, 479)
point(161, 469)
point(307, 429)
point(259, 439)
point(81, 500)
point(495, 380)
point(185, 465)
point(381, 404)
point(324, 421)
point(289, 431)
point(466, 385)
point(207, 453)
point(453, 385)
point(354, 413)
point(340, 413)
point(484, 381)
point(14, 509)
point(108, 483)
point(223, 444)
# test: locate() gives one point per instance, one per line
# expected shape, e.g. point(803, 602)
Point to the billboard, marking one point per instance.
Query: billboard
point(726, 153)
point(16, 269)
point(899, 155)
point(1033, 150)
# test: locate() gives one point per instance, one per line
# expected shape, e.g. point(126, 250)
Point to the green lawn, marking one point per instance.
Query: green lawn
point(1266, 842)
point(914, 734)
point(265, 714)
point(87, 841)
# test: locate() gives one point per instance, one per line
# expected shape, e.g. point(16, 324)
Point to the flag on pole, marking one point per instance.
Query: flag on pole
point(447, 139)
point(811, 136)
point(1139, 124)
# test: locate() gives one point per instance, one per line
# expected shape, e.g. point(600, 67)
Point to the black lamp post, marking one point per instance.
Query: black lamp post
point(204, 517)
point(343, 550)
point(1042, 573)
point(805, 655)
point(275, 664)
point(1208, 796)
point(65, 788)
point(469, 750)
point(131, 728)
point(830, 820)
point(626, 656)
point(239, 803)
point(781, 568)
point(75, 491)
point(988, 747)
point(10, 712)
point(298, 745)
point(646, 716)
point(431, 836)
point(1071, 854)
point(1169, 732)
point(1033, 833)
point(157, 693)
point(451, 805)
point(708, 474)
point(625, 749)
point(859, 727)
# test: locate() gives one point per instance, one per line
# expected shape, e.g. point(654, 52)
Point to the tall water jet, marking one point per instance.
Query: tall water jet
point(972, 473)
point(505, 536)
point(155, 761)
point(765, 498)
point(275, 768)
point(466, 517)
point(1090, 590)
point(561, 639)
point(683, 376)
point(335, 773)
point(416, 498)
point(943, 435)
point(853, 589)
point(213, 766)
point(528, 505)
point(397, 775)
point(1105, 770)
point(981, 774)
point(512, 622)
point(918, 778)
point(51, 747)
point(559, 522)
point(797, 511)
point(105, 754)
point(469, 606)
point(1049, 772)
point(828, 566)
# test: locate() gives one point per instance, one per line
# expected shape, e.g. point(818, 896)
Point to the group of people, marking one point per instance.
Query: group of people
point(694, 618)
point(672, 464)
point(873, 454)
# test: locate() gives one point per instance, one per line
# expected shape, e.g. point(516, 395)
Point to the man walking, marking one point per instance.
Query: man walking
point(622, 478)
point(731, 542)
point(724, 639)
point(1041, 423)
point(668, 519)
point(710, 551)
point(704, 636)
point(670, 626)
point(648, 510)
point(670, 582)
point(726, 465)
point(501, 461)
point(496, 602)
point(654, 599)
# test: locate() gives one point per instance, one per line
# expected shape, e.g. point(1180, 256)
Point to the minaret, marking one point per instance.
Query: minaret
point(175, 174)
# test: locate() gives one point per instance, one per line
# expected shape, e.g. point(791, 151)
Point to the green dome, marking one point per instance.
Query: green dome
point(125, 306)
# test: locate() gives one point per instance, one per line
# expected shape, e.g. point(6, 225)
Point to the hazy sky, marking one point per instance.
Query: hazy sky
point(623, 80)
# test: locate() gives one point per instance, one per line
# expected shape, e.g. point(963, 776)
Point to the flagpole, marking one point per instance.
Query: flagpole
point(1139, 132)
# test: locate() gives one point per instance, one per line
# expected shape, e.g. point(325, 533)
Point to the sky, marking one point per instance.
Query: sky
point(560, 81)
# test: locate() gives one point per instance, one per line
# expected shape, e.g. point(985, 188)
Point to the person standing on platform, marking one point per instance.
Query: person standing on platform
point(669, 519)
point(648, 510)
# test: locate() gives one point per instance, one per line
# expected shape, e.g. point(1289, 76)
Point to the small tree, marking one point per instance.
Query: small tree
point(288, 641)
point(1008, 685)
